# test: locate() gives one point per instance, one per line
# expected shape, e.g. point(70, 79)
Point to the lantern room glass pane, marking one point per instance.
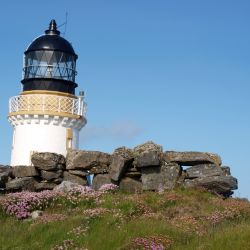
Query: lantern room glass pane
point(50, 64)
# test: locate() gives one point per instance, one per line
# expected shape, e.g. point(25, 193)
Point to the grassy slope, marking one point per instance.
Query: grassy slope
point(184, 219)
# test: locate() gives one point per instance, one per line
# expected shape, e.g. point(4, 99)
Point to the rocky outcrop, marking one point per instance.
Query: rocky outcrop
point(144, 168)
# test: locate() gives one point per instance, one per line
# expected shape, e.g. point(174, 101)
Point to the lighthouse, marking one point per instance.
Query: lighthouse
point(47, 115)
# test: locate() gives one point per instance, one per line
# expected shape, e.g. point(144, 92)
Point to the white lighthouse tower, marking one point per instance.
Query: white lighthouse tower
point(47, 115)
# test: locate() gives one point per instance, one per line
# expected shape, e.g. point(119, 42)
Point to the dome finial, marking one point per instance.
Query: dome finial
point(52, 28)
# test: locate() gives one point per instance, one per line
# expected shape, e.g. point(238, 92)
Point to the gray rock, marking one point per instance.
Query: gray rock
point(24, 171)
point(3, 179)
point(58, 180)
point(219, 184)
point(79, 172)
point(44, 186)
point(48, 161)
point(147, 146)
point(80, 159)
point(101, 169)
point(130, 185)
point(25, 183)
point(204, 170)
point(146, 159)
point(66, 186)
point(50, 175)
point(100, 180)
point(74, 178)
point(36, 214)
point(158, 178)
point(191, 158)
point(121, 159)
point(226, 170)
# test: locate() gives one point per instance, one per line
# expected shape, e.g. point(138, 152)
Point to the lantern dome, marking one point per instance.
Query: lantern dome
point(50, 63)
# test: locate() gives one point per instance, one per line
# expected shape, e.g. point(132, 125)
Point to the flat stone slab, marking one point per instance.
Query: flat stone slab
point(191, 158)
point(204, 170)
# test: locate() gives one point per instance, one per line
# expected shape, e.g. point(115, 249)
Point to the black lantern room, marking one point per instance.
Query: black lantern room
point(50, 63)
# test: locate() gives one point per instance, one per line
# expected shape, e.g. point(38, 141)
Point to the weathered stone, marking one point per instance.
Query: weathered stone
point(48, 161)
point(204, 170)
point(158, 178)
point(74, 178)
point(121, 159)
point(170, 173)
point(100, 180)
point(25, 183)
point(147, 146)
point(79, 172)
point(50, 175)
point(24, 171)
point(102, 169)
point(36, 214)
point(66, 186)
point(219, 184)
point(191, 158)
point(44, 186)
point(226, 170)
point(146, 159)
point(3, 179)
point(151, 178)
point(80, 159)
point(130, 185)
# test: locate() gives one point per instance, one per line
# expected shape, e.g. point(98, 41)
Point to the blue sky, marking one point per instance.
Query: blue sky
point(175, 72)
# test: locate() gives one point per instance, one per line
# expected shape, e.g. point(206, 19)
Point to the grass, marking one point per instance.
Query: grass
point(179, 219)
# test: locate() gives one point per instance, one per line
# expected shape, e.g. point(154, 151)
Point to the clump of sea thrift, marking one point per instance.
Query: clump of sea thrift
point(21, 204)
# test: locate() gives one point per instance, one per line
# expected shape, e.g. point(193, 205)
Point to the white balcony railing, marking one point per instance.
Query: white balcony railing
point(47, 104)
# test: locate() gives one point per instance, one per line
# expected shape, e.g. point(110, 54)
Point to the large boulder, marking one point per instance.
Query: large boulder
point(99, 180)
point(121, 159)
point(204, 170)
point(191, 158)
point(219, 184)
point(25, 183)
point(158, 178)
point(147, 154)
point(130, 185)
point(74, 178)
point(24, 171)
point(81, 159)
point(48, 161)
